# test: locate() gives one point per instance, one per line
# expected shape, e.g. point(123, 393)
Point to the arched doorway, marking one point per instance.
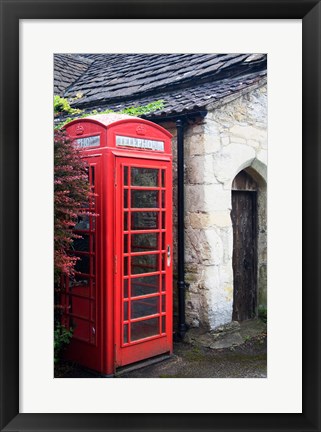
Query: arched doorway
point(244, 220)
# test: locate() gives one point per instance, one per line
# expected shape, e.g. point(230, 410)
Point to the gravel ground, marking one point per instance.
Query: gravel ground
point(248, 360)
point(192, 360)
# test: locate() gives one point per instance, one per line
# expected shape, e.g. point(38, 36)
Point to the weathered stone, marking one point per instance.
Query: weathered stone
point(198, 129)
point(195, 323)
point(220, 309)
point(196, 148)
point(229, 293)
point(192, 268)
point(232, 326)
point(191, 277)
point(200, 170)
point(199, 220)
point(230, 160)
point(215, 198)
point(215, 246)
point(262, 156)
point(220, 218)
point(262, 300)
point(248, 133)
point(225, 140)
point(211, 142)
point(232, 138)
point(204, 144)
point(194, 138)
point(253, 143)
point(204, 246)
point(194, 198)
point(226, 234)
point(240, 116)
point(212, 219)
point(237, 140)
point(233, 339)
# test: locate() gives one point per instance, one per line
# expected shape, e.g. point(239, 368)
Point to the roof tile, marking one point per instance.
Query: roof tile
point(182, 81)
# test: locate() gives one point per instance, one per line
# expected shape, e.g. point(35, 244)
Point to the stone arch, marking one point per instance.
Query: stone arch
point(257, 172)
point(256, 166)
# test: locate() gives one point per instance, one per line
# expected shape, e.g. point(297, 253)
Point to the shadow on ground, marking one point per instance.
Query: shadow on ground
point(235, 351)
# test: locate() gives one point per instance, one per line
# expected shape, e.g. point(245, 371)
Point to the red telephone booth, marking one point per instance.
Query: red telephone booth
point(119, 303)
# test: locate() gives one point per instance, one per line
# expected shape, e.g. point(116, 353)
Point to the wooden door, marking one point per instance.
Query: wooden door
point(244, 254)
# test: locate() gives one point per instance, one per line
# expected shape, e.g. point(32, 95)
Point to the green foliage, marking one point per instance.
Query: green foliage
point(61, 106)
point(71, 188)
point(62, 337)
point(262, 313)
point(133, 111)
point(144, 109)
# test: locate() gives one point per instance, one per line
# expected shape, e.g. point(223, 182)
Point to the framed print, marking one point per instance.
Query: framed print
point(32, 33)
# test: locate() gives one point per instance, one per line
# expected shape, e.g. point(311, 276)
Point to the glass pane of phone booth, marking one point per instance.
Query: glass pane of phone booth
point(144, 227)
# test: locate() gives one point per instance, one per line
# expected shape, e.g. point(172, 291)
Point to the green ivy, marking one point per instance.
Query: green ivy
point(144, 109)
point(62, 337)
point(61, 105)
point(133, 111)
point(262, 313)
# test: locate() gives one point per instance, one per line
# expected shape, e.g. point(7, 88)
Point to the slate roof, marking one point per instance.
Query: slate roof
point(67, 69)
point(185, 82)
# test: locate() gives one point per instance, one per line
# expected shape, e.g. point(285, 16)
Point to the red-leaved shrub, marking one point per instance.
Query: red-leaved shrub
point(71, 191)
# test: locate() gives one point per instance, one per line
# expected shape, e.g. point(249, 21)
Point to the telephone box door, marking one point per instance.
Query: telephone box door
point(143, 259)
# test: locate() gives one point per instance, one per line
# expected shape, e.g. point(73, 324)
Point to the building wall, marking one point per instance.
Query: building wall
point(230, 138)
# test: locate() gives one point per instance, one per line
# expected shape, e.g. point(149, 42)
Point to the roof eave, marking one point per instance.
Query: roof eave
point(227, 99)
point(185, 116)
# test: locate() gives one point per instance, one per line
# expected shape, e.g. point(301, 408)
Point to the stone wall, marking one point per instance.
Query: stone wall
point(230, 138)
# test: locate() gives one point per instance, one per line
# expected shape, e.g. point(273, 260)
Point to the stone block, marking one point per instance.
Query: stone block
point(262, 156)
point(240, 114)
point(200, 170)
point(249, 132)
point(253, 143)
point(237, 140)
point(215, 247)
point(215, 198)
point(220, 219)
point(227, 239)
point(212, 219)
point(196, 148)
point(229, 293)
point(211, 142)
point(230, 160)
point(192, 268)
point(199, 220)
point(194, 138)
point(194, 198)
point(228, 340)
point(203, 144)
point(225, 140)
point(197, 129)
point(212, 278)
point(260, 166)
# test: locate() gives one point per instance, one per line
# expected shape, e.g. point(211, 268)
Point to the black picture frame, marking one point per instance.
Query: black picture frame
point(11, 12)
